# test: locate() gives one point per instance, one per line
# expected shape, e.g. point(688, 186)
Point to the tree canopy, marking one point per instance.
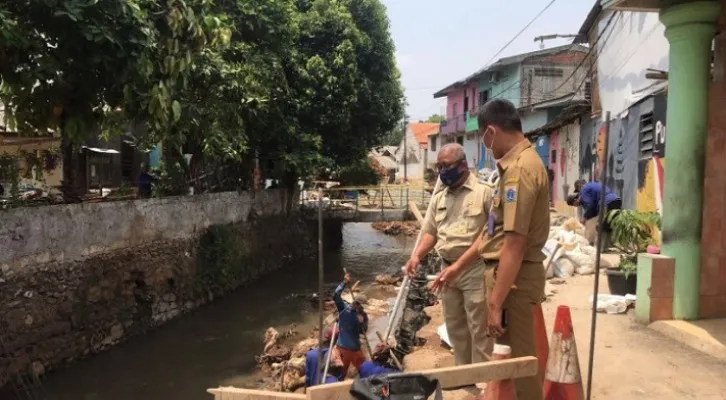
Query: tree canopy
point(304, 84)
point(435, 118)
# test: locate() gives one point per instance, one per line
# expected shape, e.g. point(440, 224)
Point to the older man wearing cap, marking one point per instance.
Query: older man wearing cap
point(352, 322)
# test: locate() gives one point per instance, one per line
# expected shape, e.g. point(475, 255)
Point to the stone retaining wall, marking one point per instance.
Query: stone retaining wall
point(78, 279)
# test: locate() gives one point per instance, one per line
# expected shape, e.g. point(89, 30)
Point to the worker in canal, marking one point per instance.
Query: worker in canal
point(379, 365)
point(311, 362)
point(455, 218)
point(352, 322)
point(511, 245)
point(587, 195)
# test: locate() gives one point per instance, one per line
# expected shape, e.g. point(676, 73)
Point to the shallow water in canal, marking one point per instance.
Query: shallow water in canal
point(216, 344)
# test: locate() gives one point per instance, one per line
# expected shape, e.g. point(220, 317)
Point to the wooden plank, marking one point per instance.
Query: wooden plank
point(448, 377)
point(232, 393)
point(415, 211)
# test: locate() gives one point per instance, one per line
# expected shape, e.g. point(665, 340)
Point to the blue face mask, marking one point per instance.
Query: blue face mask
point(450, 176)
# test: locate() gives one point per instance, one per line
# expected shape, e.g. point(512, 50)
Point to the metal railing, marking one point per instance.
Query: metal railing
point(368, 198)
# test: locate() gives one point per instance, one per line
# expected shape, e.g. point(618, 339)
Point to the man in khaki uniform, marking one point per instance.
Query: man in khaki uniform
point(517, 228)
point(453, 221)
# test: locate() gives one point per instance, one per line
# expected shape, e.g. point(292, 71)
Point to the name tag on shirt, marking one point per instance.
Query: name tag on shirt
point(490, 224)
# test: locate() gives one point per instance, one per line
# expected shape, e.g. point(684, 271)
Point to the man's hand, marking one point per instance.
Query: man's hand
point(412, 265)
point(447, 275)
point(494, 322)
point(346, 278)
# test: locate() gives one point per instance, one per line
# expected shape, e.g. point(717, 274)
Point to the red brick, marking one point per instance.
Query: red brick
point(711, 273)
point(661, 309)
point(711, 306)
point(661, 278)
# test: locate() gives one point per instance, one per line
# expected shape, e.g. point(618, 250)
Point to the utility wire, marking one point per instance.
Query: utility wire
point(587, 56)
point(521, 31)
point(592, 65)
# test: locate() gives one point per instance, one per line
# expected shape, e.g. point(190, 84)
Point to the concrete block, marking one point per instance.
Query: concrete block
point(655, 288)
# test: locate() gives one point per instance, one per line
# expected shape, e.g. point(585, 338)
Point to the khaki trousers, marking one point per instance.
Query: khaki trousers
point(519, 333)
point(465, 314)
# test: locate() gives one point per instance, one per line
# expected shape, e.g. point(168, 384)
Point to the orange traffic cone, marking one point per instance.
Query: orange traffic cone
point(562, 378)
point(541, 345)
point(501, 390)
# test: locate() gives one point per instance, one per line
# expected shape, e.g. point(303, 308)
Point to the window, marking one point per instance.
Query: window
point(466, 102)
point(549, 72)
point(646, 135)
point(483, 97)
point(432, 139)
point(588, 91)
point(553, 157)
point(460, 140)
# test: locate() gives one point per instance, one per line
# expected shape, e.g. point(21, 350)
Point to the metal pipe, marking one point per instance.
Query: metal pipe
point(320, 281)
point(600, 219)
point(392, 321)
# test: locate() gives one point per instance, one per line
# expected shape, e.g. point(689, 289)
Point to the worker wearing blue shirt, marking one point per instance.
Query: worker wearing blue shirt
point(587, 195)
point(380, 365)
point(353, 321)
point(311, 362)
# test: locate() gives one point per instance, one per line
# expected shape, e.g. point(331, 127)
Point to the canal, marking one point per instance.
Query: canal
point(216, 345)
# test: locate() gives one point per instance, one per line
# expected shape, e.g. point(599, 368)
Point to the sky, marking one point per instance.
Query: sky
point(441, 41)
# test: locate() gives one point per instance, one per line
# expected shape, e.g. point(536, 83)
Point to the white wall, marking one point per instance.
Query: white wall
point(633, 42)
point(433, 150)
point(570, 143)
point(415, 158)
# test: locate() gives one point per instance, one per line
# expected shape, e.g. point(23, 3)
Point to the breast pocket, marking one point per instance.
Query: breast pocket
point(439, 216)
point(475, 217)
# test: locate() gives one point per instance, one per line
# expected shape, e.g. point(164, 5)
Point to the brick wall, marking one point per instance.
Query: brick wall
point(713, 263)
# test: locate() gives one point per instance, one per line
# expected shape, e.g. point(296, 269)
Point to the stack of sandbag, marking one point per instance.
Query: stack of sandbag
point(568, 252)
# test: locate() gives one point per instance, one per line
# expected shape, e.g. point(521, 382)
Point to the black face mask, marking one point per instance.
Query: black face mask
point(451, 176)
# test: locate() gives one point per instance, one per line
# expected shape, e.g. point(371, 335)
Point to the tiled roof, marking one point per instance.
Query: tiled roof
point(422, 130)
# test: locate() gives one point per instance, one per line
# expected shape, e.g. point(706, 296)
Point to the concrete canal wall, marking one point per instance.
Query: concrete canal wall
point(78, 279)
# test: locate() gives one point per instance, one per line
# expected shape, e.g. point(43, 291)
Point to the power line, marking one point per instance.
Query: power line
point(521, 31)
point(593, 47)
point(597, 56)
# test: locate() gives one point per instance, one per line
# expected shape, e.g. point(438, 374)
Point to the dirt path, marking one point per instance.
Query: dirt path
point(631, 361)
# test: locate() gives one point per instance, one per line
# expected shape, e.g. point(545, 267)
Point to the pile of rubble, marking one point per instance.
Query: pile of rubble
point(396, 228)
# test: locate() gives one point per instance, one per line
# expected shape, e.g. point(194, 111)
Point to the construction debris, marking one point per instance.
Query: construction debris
point(396, 228)
point(389, 280)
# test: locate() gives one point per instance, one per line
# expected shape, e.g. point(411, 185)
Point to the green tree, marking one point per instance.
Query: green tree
point(435, 118)
point(74, 65)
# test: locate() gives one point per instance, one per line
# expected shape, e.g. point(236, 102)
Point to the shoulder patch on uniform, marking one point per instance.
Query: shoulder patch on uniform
point(511, 195)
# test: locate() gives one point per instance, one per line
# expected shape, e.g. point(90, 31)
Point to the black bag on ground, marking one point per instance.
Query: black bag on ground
point(396, 387)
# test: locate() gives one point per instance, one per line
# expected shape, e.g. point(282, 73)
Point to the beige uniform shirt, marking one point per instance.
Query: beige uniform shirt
point(521, 204)
point(457, 217)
